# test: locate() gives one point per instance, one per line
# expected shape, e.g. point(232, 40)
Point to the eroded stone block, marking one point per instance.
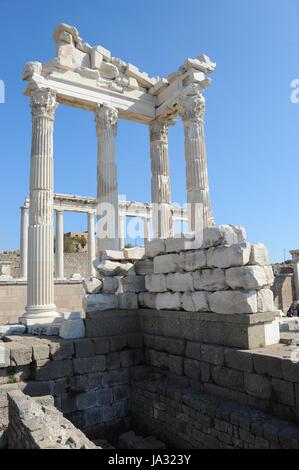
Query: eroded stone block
point(180, 282)
point(193, 260)
point(246, 277)
point(210, 280)
point(195, 301)
point(156, 283)
point(101, 302)
point(154, 248)
point(166, 264)
point(233, 302)
point(168, 301)
point(229, 256)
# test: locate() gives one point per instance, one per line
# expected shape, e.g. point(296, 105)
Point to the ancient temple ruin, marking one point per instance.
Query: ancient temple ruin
point(180, 344)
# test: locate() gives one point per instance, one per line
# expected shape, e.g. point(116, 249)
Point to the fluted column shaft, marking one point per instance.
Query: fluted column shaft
point(122, 230)
point(161, 194)
point(91, 244)
point(59, 258)
point(192, 110)
point(40, 288)
point(147, 229)
point(24, 241)
point(107, 185)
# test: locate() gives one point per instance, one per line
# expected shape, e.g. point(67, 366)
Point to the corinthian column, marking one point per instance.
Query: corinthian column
point(107, 186)
point(59, 266)
point(24, 241)
point(40, 288)
point(161, 197)
point(192, 110)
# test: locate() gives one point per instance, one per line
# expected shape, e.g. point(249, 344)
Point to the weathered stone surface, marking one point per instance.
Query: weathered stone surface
point(110, 285)
point(246, 277)
point(150, 300)
point(112, 268)
point(229, 256)
point(265, 301)
point(112, 255)
point(168, 301)
point(233, 302)
point(223, 235)
point(11, 330)
point(144, 266)
point(193, 260)
point(210, 280)
point(196, 301)
point(166, 264)
point(272, 333)
point(133, 284)
point(156, 283)
point(101, 345)
point(259, 255)
point(72, 326)
point(128, 301)
point(101, 302)
point(180, 282)
point(180, 243)
point(20, 354)
point(258, 386)
point(92, 285)
point(84, 348)
point(154, 248)
point(133, 254)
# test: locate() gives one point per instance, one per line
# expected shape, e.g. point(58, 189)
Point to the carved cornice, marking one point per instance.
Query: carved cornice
point(106, 118)
point(159, 131)
point(43, 103)
point(192, 108)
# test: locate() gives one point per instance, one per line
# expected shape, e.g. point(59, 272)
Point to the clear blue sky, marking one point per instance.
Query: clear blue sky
point(252, 128)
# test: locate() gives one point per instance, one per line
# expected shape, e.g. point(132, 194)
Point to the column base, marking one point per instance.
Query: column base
point(40, 316)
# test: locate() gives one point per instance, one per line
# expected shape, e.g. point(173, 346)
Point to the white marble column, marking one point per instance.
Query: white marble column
point(161, 195)
point(147, 229)
point(295, 258)
point(91, 244)
point(40, 307)
point(59, 255)
point(192, 110)
point(122, 231)
point(107, 186)
point(24, 242)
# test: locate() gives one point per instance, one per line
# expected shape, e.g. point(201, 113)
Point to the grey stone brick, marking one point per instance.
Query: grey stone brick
point(101, 345)
point(212, 354)
point(135, 341)
point(240, 360)
point(86, 400)
point(89, 365)
point(228, 378)
point(104, 397)
point(118, 343)
point(192, 369)
point(193, 350)
point(113, 361)
point(84, 348)
point(169, 345)
point(127, 358)
point(115, 377)
point(20, 354)
point(284, 392)
point(175, 364)
point(51, 370)
point(61, 349)
point(258, 386)
point(267, 365)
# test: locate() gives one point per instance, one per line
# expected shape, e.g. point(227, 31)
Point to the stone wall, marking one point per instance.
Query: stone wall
point(68, 297)
point(37, 424)
point(89, 378)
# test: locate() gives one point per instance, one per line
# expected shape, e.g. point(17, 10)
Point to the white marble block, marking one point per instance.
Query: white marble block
point(259, 254)
point(265, 301)
point(178, 244)
point(223, 235)
point(133, 254)
point(154, 248)
point(168, 301)
point(193, 260)
point(128, 301)
point(99, 302)
point(92, 285)
point(272, 333)
point(246, 277)
point(111, 255)
point(233, 302)
point(133, 284)
point(196, 302)
point(149, 300)
point(180, 282)
point(229, 256)
point(110, 285)
point(155, 283)
point(113, 268)
point(209, 280)
point(166, 264)
point(72, 326)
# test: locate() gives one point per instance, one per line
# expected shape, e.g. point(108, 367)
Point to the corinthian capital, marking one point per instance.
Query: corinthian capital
point(43, 103)
point(159, 131)
point(106, 118)
point(192, 108)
